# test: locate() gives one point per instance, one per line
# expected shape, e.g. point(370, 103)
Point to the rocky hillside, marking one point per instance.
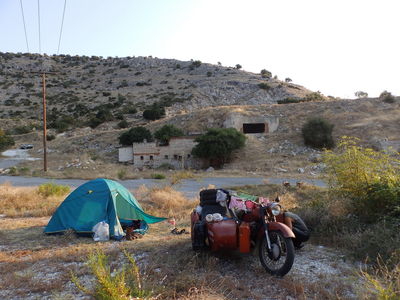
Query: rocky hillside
point(82, 86)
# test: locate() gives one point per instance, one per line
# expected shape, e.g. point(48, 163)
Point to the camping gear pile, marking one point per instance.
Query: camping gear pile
point(104, 208)
point(225, 220)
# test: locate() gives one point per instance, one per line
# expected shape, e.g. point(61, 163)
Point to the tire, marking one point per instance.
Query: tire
point(208, 202)
point(208, 194)
point(208, 197)
point(279, 261)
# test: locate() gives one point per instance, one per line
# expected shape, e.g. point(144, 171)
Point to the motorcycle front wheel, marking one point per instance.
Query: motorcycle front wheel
point(279, 260)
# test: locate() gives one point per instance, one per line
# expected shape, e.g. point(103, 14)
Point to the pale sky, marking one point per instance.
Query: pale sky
point(337, 47)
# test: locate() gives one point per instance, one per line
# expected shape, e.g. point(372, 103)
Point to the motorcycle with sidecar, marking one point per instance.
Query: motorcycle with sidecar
point(217, 225)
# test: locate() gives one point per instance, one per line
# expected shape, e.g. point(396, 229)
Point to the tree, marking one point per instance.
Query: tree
point(6, 141)
point(155, 112)
point(265, 74)
point(217, 144)
point(317, 133)
point(361, 94)
point(387, 97)
point(135, 135)
point(238, 66)
point(165, 133)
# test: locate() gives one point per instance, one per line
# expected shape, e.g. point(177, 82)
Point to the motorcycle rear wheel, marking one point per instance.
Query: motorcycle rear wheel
point(280, 259)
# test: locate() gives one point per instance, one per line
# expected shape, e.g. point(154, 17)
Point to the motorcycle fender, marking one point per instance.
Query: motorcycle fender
point(286, 231)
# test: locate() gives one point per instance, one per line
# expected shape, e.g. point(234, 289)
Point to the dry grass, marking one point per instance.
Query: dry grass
point(35, 264)
point(26, 202)
point(178, 176)
point(165, 201)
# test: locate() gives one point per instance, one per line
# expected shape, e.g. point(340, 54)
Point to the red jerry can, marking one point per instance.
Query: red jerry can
point(222, 235)
point(244, 237)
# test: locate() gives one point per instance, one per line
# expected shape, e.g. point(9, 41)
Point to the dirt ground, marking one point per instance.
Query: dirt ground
point(36, 266)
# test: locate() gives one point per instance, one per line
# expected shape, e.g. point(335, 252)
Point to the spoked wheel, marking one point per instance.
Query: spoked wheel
point(279, 260)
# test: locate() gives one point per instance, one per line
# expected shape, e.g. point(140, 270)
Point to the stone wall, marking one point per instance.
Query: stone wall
point(151, 155)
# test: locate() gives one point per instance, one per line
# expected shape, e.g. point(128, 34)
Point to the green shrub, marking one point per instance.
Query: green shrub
point(195, 64)
point(135, 135)
point(155, 112)
point(381, 282)
point(265, 74)
point(157, 176)
point(50, 137)
point(368, 178)
point(121, 174)
point(387, 97)
point(317, 133)
point(165, 133)
point(315, 96)
point(123, 124)
point(129, 109)
point(52, 189)
point(264, 86)
point(217, 144)
point(124, 284)
point(22, 129)
point(289, 100)
point(6, 141)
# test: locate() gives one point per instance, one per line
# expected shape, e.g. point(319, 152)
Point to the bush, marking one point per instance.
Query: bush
point(369, 179)
point(121, 174)
point(157, 176)
point(129, 109)
point(195, 64)
point(23, 129)
point(264, 86)
point(317, 133)
point(289, 100)
point(155, 112)
point(165, 133)
point(265, 74)
point(5, 141)
point(52, 189)
point(135, 135)
point(50, 137)
point(381, 282)
point(123, 124)
point(103, 115)
point(123, 284)
point(387, 97)
point(315, 96)
point(217, 144)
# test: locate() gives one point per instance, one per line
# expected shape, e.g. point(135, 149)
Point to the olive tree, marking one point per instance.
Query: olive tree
point(135, 135)
point(165, 133)
point(217, 145)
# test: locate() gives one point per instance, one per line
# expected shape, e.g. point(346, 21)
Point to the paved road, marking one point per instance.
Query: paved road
point(189, 187)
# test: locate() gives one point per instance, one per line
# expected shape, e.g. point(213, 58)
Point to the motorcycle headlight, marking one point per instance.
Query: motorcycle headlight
point(275, 209)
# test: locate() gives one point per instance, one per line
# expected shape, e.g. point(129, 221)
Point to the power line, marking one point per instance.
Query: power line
point(38, 3)
point(62, 24)
point(23, 19)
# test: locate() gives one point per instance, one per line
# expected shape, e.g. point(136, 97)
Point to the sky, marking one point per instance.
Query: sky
point(336, 47)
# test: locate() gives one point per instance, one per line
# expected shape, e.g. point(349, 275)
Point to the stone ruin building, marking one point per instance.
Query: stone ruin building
point(152, 155)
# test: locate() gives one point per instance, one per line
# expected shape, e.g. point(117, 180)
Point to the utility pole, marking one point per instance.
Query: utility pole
point(44, 123)
point(43, 73)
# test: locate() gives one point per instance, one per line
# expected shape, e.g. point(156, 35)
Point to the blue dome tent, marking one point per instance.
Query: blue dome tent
point(95, 201)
